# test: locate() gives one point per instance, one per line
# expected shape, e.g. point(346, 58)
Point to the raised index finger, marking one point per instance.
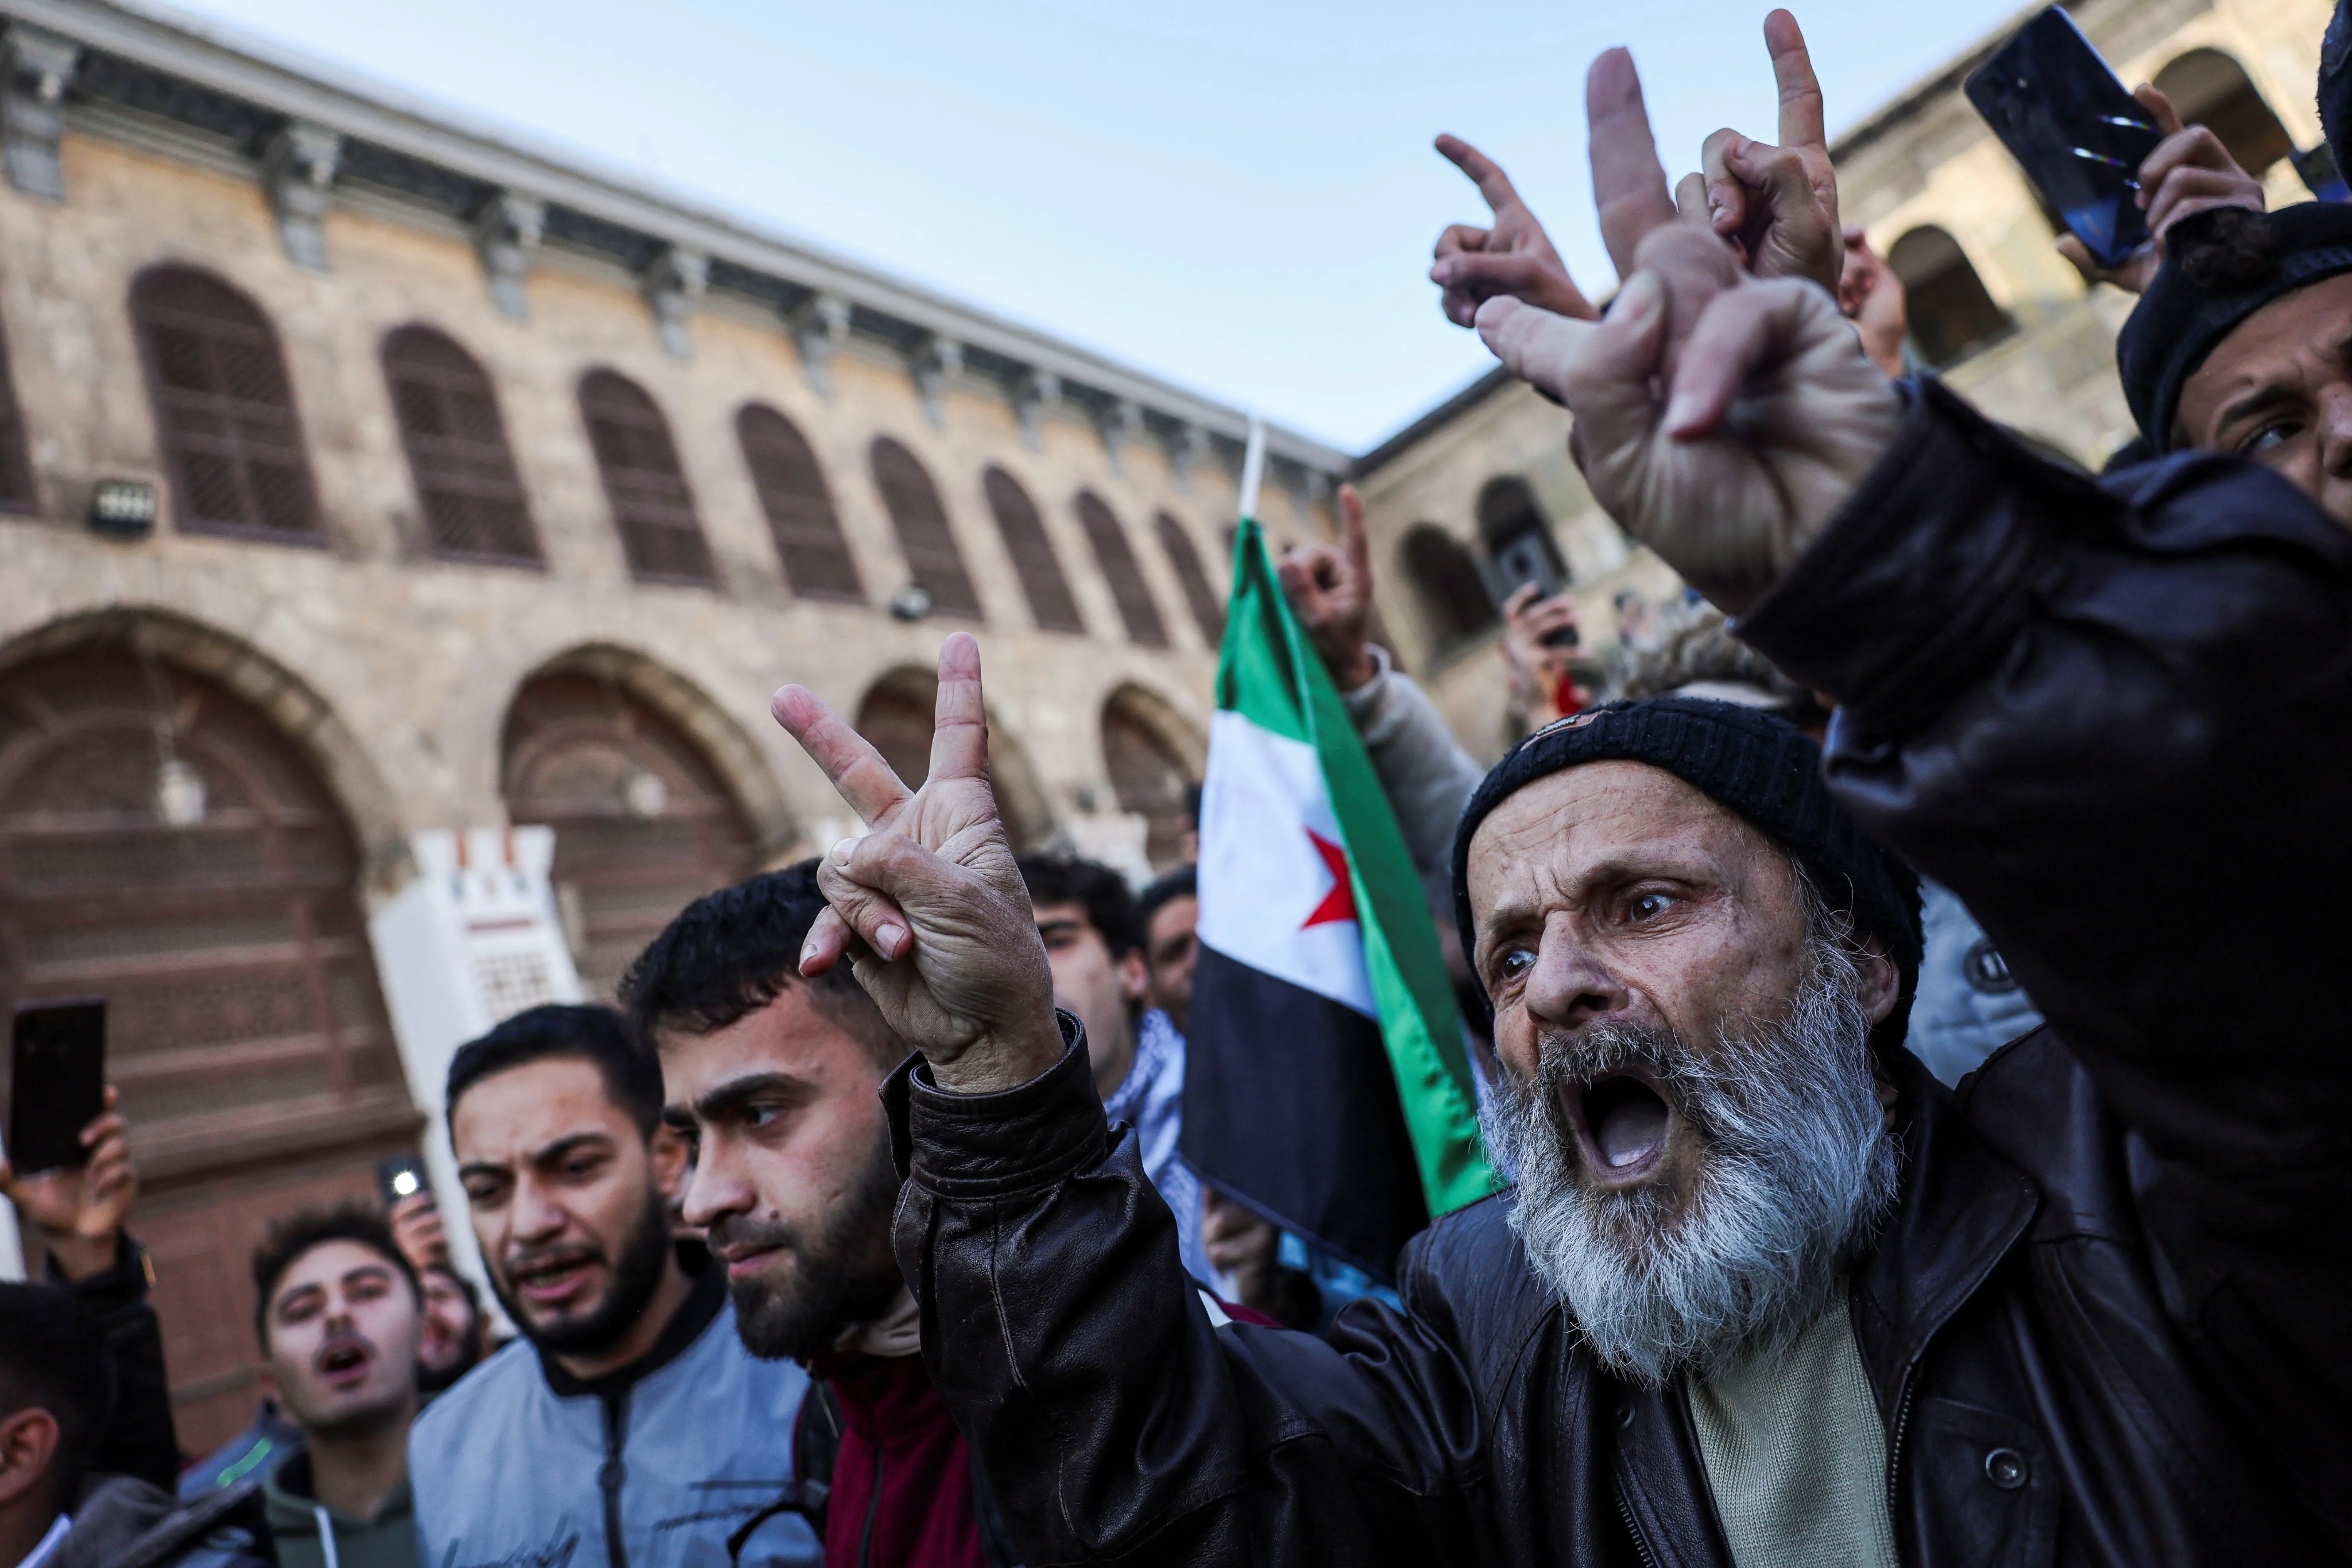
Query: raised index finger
point(1801, 92)
point(1484, 172)
point(848, 758)
point(1629, 185)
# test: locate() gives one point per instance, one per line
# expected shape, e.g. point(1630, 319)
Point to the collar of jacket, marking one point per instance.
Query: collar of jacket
point(289, 1495)
point(706, 1295)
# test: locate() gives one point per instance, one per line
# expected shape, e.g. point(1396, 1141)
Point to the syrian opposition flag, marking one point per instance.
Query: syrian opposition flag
point(1326, 1084)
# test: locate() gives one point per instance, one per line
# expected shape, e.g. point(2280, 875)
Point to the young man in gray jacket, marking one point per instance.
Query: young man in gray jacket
point(628, 1427)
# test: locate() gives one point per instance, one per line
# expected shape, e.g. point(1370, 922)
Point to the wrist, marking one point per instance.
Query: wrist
point(1355, 668)
point(1002, 1059)
point(78, 1256)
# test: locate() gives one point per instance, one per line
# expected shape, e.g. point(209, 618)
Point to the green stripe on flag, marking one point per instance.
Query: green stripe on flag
point(1269, 672)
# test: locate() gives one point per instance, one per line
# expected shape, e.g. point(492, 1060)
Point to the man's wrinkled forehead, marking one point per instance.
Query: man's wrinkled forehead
point(1599, 818)
point(2274, 347)
point(511, 1115)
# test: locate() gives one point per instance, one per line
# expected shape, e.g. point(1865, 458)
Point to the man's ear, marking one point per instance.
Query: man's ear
point(1134, 976)
point(1882, 982)
point(668, 1151)
point(29, 1442)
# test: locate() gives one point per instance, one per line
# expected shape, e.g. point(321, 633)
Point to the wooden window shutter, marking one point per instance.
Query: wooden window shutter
point(816, 560)
point(224, 408)
point(1117, 558)
point(1199, 593)
point(467, 485)
point(921, 522)
point(652, 507)
point(1033, 553)
point(15, 465)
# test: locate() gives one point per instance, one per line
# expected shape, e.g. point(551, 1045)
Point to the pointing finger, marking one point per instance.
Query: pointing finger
point(1801, 122)
point(1484, 172)
point(857, 771)
point(960, 729)
point(1352, 541)
point(1629, 185)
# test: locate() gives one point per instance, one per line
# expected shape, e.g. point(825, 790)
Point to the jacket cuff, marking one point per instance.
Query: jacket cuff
point(994, 1146)
point(1912, 591)
point(121, 1283)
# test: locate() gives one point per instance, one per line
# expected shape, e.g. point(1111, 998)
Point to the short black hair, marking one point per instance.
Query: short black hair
point(53, 1358)
point(292, 1235)
point(1165, 889)
point(730, 953)
point(586, 1032)
point(1067, 878)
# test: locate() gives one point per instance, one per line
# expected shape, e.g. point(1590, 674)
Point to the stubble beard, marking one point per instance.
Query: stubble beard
point(644, 1253)
point(1797, 1170)
point(842, 1275)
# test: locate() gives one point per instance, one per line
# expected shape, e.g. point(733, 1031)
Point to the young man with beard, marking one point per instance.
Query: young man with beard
point(628, 1427)
point(1768, 1293)
point(341, 1315)
point(778, 1081)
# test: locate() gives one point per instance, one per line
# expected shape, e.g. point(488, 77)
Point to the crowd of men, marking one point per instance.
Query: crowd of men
point(860, 1232)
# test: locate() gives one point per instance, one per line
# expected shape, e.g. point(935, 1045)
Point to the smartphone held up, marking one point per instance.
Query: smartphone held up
point(56, 1084)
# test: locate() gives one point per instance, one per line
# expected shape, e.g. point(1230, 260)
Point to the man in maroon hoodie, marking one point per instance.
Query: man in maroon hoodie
point(775, 1080)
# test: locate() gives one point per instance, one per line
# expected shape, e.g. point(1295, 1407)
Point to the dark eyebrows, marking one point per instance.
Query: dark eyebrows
point(551, 1154)
point(2261, 400)
point(736, 1092)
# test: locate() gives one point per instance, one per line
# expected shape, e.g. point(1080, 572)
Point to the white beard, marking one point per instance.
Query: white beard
point(1798, 1171)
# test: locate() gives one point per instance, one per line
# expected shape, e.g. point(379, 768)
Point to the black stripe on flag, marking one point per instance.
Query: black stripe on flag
point(1290, 1106)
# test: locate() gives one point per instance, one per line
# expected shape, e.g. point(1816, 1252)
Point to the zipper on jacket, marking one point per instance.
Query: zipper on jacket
point(873, 1511)
point(1895, 1447)
point(612, 1474)
point(1625, 1512)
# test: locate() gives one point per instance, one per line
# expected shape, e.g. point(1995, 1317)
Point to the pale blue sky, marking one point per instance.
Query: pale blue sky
point(1240, 197)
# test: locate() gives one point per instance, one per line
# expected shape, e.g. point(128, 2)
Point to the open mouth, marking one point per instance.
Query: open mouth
point(553, 1280)
point(1623, 1124)
point(345, 1362)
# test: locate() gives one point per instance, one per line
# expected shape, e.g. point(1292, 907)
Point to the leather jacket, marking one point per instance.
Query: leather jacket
point(2110, 1319)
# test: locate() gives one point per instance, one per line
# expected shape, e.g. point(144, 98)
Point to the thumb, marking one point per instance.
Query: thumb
point(2154, 100)
point(1534, 345)
point(1606, 381)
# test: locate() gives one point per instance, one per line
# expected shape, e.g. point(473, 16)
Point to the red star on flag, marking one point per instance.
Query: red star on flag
point(1339, 903)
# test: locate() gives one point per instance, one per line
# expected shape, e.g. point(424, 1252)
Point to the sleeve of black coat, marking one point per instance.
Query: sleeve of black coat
point(2116, 717)
point(140, 1440)
point(1112, 1420)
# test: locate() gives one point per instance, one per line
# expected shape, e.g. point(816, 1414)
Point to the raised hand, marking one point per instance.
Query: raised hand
point(1779, 204)
point(80, 1212)
point(928, 907)
point(1873, 298)
point(1720, 418)
point(2189, 172)
point(1330, 590)
point(1514, 257)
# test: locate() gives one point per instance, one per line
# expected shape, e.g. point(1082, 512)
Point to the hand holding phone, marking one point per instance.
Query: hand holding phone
point(69, 1169)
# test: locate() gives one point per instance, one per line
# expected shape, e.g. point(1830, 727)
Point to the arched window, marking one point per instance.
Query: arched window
point(466, 481)
point(1950, 312)
point(1148, 776)
point(897, 714)
point(652, 507)
point(643, 822)
point(913, 503)
point(1518, 538)
point(165, 844)
point(16, 467)
point(793, 493)
point(224, 408)
point(1117, 558)
point(2210, 89)
point(1208, 609)
point(1454, 599)
point(1033, 553)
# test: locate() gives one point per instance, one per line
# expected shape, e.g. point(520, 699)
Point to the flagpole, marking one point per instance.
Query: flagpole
point(1252, 466)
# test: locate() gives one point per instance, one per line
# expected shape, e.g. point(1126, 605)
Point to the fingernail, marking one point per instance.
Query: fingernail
point(808, 951)
point(1683, 412)
point(843, 851)
point(891, 940)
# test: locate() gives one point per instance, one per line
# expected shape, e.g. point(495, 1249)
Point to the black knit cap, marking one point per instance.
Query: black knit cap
point(1763, 770)
point(2221, 267)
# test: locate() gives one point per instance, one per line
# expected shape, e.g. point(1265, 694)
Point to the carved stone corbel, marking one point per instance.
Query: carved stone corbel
point(1037, 394)
point(1122, 426)
point(1193, 449)
point(673, 280)
point(819, 325)
point(934, 361)
point(298, 171)
point(39, 66)
point(506, 232)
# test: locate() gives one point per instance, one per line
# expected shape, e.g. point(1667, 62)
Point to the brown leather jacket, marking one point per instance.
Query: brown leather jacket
point(2110, 1322)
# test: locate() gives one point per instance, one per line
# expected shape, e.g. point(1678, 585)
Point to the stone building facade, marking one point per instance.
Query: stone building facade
point(1994, 308)
point(366, 475)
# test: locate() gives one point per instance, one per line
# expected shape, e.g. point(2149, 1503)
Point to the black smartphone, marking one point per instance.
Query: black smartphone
point(402, 1176)
point(1524, 559)
point(56, 1084)
point(2080, 137)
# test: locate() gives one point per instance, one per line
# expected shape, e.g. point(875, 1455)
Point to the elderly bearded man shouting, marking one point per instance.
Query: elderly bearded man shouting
point(1766, 1293)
